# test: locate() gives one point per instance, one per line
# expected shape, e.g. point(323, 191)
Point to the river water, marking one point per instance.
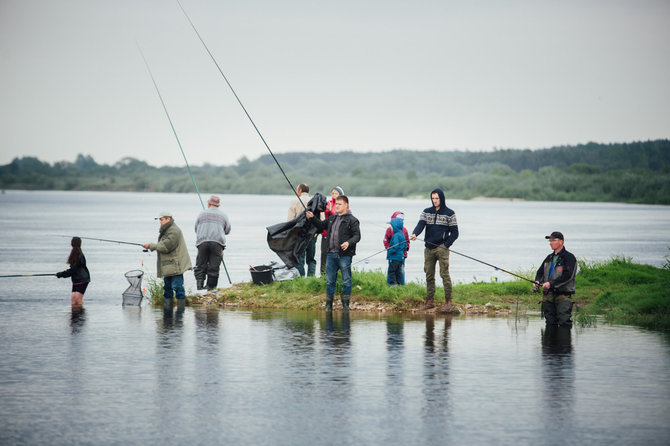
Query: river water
point(128, 375)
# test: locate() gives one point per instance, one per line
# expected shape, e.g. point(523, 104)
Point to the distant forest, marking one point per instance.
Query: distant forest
point(637, 172)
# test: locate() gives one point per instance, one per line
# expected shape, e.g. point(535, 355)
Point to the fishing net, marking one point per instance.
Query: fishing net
point(133, 295)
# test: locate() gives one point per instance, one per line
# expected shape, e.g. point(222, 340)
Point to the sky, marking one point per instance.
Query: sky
point(315, 76)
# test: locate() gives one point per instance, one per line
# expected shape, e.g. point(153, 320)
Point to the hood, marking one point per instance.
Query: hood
point(441, 195)
point(396, 224)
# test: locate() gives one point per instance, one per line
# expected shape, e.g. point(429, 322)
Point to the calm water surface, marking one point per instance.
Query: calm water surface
point(114, 375)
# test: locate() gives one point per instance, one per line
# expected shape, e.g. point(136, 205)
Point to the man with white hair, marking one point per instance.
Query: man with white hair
point(211, 228)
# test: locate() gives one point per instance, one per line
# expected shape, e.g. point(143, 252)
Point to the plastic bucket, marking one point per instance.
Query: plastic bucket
point(261, 274)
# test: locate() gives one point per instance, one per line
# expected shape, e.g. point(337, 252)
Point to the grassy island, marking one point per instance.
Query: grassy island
point(619, 290)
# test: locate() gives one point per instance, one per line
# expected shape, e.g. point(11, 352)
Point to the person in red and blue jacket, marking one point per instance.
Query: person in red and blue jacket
point(387, 242)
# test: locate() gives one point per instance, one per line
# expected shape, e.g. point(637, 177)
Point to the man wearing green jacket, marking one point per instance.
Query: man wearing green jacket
point(173, 260)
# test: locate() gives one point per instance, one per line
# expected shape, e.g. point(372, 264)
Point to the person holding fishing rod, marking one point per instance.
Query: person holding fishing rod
point(173, 260)
point(556, 278)
point(211, 228)
point(77, 271)
point(441, 232)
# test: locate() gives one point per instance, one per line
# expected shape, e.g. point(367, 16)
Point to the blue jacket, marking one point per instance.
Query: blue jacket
point(398, 242)
point(441, 226)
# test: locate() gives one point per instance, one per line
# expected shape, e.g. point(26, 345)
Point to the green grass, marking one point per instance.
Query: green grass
point(618, 289)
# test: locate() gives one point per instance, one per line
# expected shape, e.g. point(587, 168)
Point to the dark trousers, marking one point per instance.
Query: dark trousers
point(308, 257)
point(324, 255)
point(208, 261)
point(173, 286)
point(394, 275)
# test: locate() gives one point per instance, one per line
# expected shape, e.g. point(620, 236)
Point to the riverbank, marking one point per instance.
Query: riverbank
point(619, 290)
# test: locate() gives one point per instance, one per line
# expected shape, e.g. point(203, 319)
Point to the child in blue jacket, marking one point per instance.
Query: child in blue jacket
point(395, 254)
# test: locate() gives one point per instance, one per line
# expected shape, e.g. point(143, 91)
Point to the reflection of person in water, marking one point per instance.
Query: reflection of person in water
point(437, 405)
point(558, 372)
point(77, 318)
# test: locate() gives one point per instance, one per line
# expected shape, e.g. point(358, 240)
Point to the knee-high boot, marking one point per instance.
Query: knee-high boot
point(345, 302)
point(329, 303)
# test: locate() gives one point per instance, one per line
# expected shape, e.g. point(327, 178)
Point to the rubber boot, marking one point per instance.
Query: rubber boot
point(167, 304)
point(212, 282)
point(181, 304)
point(199, 284)
point(345, 302)
point(430, 303)
point(329, 303)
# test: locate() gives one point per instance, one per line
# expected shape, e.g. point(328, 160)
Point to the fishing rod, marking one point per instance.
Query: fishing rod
point(178, 143)
point(107, 240)
point(29, 275)
point(379, 252)
point(481, 261)
point(240, 102)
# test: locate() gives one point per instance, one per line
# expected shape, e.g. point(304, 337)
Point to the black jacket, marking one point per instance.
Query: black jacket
point(78, 272)
point(349, 231)
point(562, 278)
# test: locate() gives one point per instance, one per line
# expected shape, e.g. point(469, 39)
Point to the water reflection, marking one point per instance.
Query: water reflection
point(558, 376)
point(437, 404)
point(336, 337)
point(77, 319)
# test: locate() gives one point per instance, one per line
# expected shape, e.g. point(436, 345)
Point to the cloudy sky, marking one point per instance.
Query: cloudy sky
point(365, 75)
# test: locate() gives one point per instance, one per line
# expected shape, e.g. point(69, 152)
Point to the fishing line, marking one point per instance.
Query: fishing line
point(179, 143)
point(240, 102)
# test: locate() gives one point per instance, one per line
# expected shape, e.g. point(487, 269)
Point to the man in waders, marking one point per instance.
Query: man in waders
point(556, 277)
point(343, 234)
point(173, 260)
point(441, 232)
point(211, 228)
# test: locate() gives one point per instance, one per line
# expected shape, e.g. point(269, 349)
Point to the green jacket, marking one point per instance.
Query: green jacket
point(173, 256)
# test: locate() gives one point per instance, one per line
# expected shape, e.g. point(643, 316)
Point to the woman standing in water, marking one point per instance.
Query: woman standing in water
point(77, 271)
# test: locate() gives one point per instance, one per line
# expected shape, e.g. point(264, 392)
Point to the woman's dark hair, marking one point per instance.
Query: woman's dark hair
point(75, 254)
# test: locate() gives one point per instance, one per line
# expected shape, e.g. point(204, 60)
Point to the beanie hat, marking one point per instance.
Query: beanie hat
point(339, 189)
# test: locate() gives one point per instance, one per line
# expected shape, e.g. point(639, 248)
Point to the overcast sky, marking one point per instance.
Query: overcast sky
point(364, 75)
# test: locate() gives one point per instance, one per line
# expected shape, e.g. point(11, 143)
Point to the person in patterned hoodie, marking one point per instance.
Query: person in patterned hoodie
point(441, 232)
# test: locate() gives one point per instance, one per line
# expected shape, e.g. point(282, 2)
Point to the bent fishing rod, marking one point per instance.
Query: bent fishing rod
point(239, 101)
point(107, 240)
point(481, 261)
point(178, 143)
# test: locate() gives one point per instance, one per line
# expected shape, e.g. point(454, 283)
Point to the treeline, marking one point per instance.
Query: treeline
point(636, 172)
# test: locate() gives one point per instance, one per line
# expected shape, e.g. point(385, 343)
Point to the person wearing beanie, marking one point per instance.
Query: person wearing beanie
point(556, 277)
point(172, 260)
point(211, 228)
point(330, 210)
